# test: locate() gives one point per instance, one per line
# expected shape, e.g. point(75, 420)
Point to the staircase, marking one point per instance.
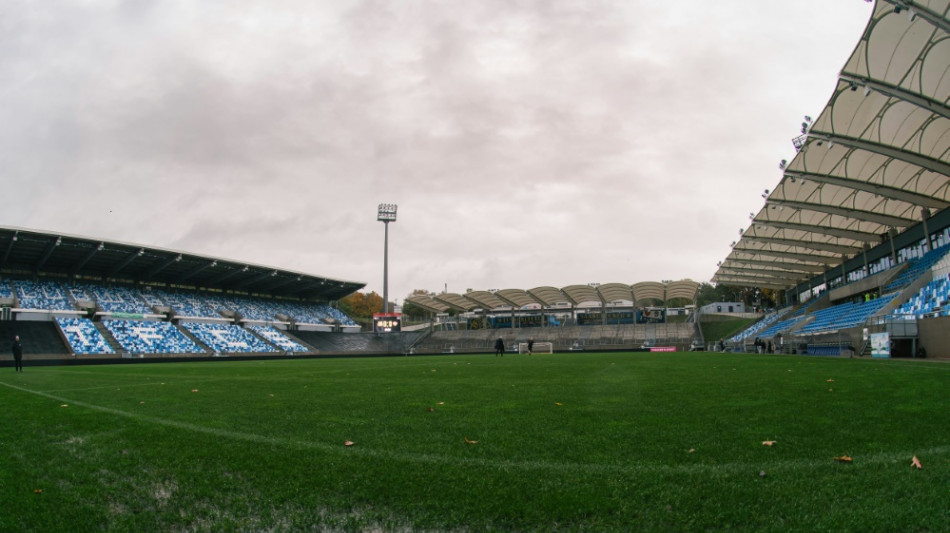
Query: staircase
point(107, 335)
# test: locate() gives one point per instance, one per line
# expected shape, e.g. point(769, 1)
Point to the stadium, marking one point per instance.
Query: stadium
point(96, 301)
point(275, 410)
point(852, 238)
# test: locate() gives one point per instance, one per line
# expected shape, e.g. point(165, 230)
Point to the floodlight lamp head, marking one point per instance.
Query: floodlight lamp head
point(386, 213)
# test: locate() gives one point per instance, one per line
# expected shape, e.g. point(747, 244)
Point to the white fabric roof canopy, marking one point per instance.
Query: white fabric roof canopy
point(552, 297)
point(877, 158)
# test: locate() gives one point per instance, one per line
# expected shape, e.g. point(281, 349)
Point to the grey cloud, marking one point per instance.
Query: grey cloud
point(527, 142)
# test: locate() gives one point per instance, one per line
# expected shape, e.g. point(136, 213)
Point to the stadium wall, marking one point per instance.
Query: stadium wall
point(934, 336)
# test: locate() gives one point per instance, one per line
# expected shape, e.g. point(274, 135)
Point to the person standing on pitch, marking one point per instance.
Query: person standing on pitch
point(530, 345)
point(499, 347)
point(17, 350)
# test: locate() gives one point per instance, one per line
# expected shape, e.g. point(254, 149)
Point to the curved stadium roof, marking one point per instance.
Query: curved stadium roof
point(31, 252)
point(875, 162)
point(548, 297)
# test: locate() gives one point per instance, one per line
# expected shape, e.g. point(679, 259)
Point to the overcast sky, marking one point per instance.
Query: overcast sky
point(527, 143)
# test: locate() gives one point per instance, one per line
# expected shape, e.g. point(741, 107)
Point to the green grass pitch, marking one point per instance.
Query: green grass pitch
point(563, 442)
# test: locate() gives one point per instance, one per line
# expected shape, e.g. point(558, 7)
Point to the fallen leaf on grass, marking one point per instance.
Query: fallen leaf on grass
point(558, 404)
point(194, 390)
point(768, 442)
point(348, 443)
point(830, 380)
point(916, 462)
point(430, 409)
point(470, 441)
point(844, 459)
point(37, 491)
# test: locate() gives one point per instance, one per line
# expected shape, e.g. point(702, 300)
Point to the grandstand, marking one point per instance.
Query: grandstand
point(87, 298)
point(859, 221)
point(151, 337)
point(145, 315)
point(611, 316)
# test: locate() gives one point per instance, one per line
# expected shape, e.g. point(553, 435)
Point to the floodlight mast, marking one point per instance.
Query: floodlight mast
point(386, 214)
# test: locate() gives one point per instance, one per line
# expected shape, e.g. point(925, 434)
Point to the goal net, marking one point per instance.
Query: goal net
point(539, 347)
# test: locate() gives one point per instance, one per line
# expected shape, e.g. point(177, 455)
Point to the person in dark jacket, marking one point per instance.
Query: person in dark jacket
point(17, 350)
point(499, 347)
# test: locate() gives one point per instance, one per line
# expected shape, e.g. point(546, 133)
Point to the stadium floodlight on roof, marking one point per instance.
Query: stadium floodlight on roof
point(386, 214)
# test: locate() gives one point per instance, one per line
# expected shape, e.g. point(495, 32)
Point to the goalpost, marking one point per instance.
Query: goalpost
point(539, 347)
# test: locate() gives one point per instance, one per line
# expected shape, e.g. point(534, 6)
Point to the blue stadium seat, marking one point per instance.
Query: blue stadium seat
point(277, 338)
point(144, 337)
point(83, 337)
point(227, 338)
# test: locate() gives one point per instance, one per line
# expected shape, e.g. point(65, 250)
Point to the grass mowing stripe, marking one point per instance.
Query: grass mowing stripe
point(586, 468)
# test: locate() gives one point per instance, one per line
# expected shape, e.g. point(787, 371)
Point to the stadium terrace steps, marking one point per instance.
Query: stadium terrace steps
point(931, 300)
point(38, 338)
point(79, 297)
point(565, 338)
point(367, 343)
point(761, 325)
point(278, 339)
point(846, 315)
point(45, 295)
point(916, 268)
point(144, 337)
point(108, 336)
point(227, 338)
point(6, 289)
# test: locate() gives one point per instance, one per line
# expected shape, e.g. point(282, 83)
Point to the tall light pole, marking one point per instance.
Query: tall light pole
point(386, 214)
